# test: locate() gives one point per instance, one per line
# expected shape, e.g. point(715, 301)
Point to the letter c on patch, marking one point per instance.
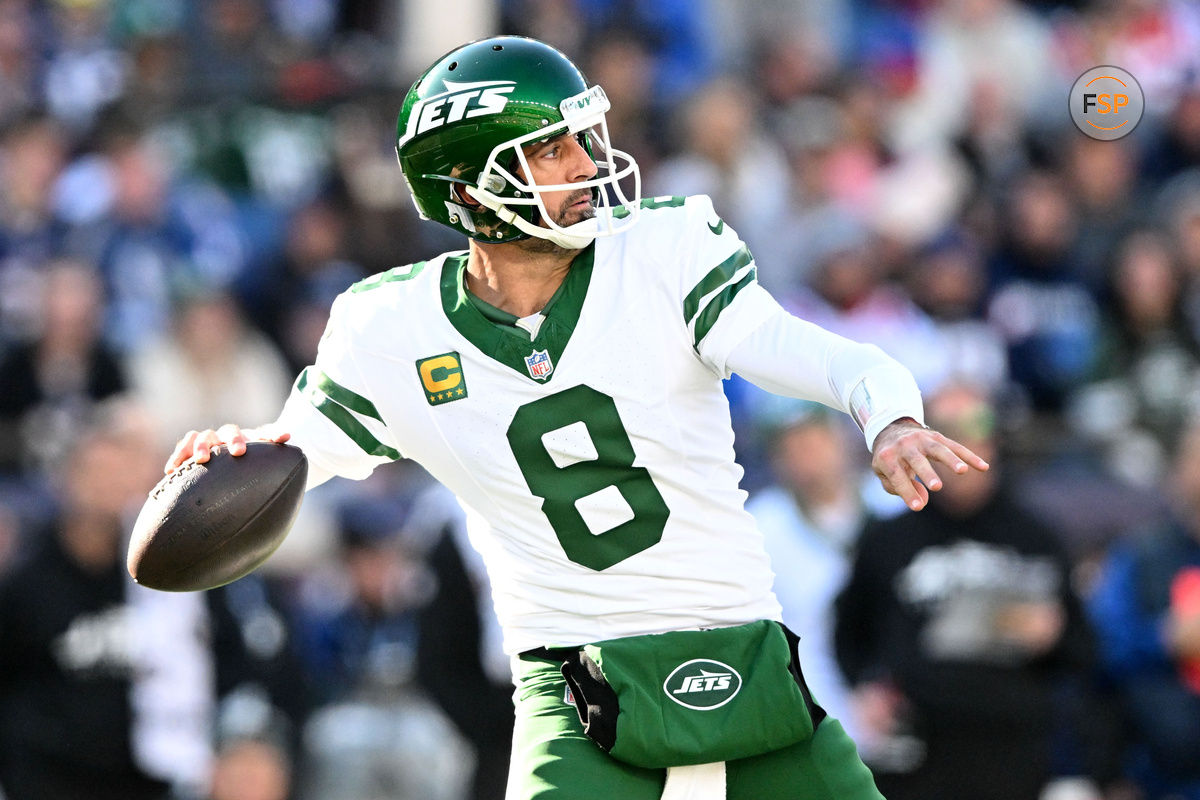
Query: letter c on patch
point(441, 373)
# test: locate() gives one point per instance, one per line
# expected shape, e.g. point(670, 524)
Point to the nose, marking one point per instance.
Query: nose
point(582, 167)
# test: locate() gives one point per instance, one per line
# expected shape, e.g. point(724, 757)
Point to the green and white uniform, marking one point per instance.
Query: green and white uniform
point(594, 458)
point(603, 496)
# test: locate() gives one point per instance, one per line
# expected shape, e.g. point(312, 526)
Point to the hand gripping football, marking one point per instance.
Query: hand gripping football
point(205, 525)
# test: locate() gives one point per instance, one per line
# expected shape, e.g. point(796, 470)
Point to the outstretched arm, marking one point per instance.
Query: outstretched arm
point(792, 357)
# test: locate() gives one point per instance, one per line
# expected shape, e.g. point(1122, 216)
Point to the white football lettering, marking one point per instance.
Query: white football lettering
point(458, 105)
point(492, 101)
point(460, 101)
point(429, 115)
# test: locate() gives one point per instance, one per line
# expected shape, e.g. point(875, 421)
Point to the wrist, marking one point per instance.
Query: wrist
point(896, 425)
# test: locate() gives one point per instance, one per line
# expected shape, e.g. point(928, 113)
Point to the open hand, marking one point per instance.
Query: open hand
point(903, 458)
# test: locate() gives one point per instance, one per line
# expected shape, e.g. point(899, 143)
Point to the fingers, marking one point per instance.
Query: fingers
point(194, 446)
point(232, 436)
point(183, 451)
point(920, 469)
point(203, 446)
point(198, 446)
point(965, 453)
point(899, 479)
point(905, 464)
point(917, 496)
point(269, 433)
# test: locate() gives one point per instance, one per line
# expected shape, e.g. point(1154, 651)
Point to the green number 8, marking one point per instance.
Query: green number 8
point(561, 487)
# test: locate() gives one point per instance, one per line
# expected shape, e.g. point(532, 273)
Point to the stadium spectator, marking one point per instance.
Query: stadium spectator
point(152, 232)
point(32, 153)
point(290, 302)
point(105, 687)
point(373, 733)
point(947, 280)
point(10, 537)
point(727, 155)
point(993, 52)
point(254, 750)
point(1146, 381)
point(956, 629)
point(852, 296)
point(1104, 186)
point(1146, 608)
point(264, 691)
point(86, 70)
point(1037, 301)
point(212, 365)
point(20, 91)
point(50, 384)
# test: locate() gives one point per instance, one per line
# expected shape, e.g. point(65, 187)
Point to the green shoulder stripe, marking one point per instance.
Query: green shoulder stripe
point(404, 273)
point(337, 406)
point(719, 274)
point(343, 396)
point(708, 317)
point(651, 203)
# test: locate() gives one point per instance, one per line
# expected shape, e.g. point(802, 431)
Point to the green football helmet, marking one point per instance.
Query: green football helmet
point(464, 124)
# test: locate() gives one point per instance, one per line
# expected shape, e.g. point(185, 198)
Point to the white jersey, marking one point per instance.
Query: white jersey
point(596, 460)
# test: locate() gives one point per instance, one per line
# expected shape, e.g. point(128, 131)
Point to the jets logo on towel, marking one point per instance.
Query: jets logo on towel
point(702, 684)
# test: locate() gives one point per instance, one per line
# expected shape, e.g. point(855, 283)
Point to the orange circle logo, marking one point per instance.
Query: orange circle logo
point(1106, 103)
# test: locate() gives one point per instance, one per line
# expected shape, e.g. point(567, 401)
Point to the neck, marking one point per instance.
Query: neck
point(517, 277)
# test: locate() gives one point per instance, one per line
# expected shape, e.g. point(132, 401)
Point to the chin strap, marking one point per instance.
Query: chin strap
point(572, 237)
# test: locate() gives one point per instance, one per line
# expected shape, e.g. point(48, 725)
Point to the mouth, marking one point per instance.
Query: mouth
point(578, 207)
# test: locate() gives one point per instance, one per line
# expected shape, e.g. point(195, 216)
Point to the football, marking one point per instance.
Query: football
point(205, 525)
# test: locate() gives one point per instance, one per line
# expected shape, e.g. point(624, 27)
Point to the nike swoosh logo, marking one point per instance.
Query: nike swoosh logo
point(720, 226)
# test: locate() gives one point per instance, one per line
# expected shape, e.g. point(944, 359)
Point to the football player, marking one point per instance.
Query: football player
point(563, 376)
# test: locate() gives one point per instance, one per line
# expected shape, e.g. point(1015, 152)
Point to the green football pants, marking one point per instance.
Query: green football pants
point(553, 759)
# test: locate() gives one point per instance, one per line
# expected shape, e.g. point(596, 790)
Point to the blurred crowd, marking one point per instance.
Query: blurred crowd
point(185, 186)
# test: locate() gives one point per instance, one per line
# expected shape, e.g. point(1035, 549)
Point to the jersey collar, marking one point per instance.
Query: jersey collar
point(502, 341)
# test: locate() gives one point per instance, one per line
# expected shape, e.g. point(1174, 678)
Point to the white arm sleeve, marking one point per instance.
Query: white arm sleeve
point(792, 357)
point(329, 413)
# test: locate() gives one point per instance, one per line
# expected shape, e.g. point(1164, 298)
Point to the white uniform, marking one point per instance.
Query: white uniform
point(596, 461)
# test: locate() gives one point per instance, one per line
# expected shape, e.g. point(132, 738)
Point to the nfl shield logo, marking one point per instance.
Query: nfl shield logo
point(539, 365)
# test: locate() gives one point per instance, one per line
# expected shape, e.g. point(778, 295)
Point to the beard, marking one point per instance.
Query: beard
point(564, 217)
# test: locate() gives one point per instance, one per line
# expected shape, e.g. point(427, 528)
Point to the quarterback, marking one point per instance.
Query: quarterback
point(563, 376)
